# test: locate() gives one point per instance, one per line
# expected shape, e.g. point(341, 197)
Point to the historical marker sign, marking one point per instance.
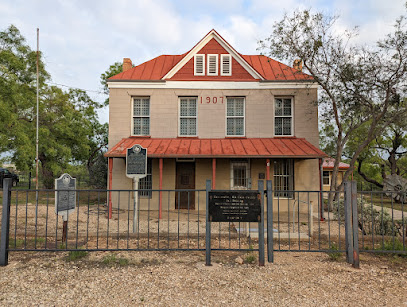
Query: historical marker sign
point(234, 206)
point(65, 195)
point(136, 162)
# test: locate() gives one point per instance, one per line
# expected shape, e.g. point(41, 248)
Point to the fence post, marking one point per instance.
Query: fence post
point(355, 225)
point(208, 227)
point(5, 221)
point(270, 227)
point(260, 186)
point(348, 222)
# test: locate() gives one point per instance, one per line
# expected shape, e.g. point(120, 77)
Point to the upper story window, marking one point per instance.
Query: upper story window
point(283, 116)
point(199, 65)
point(141, 116)
point(212, 64)
point(226, 65)
point(187, 116)
point(235, 112)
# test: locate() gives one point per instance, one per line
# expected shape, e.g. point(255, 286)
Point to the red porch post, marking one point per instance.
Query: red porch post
point(161, 185)
point(110, 186)
point(268, 169)
point(213, 174)
point(320, 194)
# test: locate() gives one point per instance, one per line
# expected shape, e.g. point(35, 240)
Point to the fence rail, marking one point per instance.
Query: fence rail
point(178, 220)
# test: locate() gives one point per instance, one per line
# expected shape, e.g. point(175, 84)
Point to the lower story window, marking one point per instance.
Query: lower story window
point(325, 177)
point(240, 174)
point(284, 178)
point(146, 183)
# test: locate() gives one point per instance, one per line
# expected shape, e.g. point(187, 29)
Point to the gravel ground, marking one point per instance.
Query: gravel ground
point(182, 279)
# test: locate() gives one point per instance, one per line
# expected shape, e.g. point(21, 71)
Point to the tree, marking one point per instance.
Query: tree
point(359, 85)
point(113, 70)
point(67, 120)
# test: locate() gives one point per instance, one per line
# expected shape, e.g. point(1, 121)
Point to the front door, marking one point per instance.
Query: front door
point(185, 174)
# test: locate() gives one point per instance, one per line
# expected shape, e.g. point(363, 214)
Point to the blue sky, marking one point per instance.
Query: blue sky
point(81, 38)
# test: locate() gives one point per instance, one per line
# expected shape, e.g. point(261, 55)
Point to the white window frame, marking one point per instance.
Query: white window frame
point(329, 177)
point(227, 116)
point(141, 116)
point(245, 163)
point(284, 116)
point(221, 64)
point(203, 65)
point(208, 64)
point(179, 116)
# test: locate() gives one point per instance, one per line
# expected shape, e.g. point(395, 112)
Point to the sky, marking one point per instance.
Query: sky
point(80, 39)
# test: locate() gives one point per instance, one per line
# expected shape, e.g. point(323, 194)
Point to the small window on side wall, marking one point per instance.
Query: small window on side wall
point(326, 177)
point(199, 65)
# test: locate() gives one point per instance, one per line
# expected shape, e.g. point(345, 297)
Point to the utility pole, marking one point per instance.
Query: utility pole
point(36, 140)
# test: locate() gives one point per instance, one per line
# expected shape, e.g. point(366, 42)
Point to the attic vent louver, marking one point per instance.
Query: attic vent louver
point(226, 65)
point(199, 66)
point(212, 64)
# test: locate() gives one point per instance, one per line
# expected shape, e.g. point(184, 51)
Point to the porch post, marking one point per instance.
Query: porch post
point(110, 186)
point(213, 174)
point(161, 186)
point(321, 213)
point(268, 169)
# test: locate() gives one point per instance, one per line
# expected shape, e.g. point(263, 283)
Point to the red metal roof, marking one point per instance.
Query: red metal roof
point(157, 68)
point(220, 148)
point(329, 164)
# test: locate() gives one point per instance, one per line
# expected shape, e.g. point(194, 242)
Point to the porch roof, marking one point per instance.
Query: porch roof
point(287, 147)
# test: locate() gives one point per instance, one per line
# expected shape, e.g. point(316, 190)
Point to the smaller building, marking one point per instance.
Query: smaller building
point(327, 169)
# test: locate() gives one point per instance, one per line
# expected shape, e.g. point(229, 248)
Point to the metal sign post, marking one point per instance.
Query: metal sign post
point(65, 199)
point(136, 168)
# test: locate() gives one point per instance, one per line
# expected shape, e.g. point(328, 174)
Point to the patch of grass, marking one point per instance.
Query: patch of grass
point(250, 258)
point(111, 260)
point(333, 254)
point(76, 255)
point(17, 243)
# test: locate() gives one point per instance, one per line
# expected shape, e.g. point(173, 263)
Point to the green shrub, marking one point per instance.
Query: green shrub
point(75, 255)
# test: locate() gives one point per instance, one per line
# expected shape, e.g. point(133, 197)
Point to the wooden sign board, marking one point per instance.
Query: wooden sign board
point(234, 206)
point(136, 162)
point(65, 195)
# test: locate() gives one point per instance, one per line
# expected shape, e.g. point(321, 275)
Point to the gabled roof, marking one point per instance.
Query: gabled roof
point(220, 148)
point(260, 67)
point(329, 164)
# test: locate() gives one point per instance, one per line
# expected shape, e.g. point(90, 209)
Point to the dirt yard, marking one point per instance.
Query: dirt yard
point(182, 279)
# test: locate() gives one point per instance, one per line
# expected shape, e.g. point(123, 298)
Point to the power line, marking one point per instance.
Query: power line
point(93, 91)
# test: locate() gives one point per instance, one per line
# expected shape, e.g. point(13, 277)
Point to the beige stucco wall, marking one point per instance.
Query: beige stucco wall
point(326, 187)
point(259, 108)
point(259, 122)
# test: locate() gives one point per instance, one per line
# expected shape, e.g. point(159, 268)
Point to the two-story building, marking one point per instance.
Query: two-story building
point(213, 113)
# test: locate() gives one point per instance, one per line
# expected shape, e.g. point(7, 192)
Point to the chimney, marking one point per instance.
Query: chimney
point(127, 64)
point(297, 65)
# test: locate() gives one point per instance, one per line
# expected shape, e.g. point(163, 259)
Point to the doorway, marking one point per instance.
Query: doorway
point(185, 179)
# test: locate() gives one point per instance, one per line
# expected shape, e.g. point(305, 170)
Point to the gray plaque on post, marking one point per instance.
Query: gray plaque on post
point(65, 195)
point(136, 162)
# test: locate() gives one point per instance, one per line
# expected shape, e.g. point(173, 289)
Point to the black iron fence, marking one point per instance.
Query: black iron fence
point(113, 220)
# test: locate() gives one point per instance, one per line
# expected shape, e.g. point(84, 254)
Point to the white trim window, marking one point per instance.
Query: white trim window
point(226, 62)
point(284, 178)
point(235, 113)
point(240, 174)
point(199, 65)
point(212, 68)
point(187, 116)
point(146, 183)
point(283, 117)
point(326, 177)
point(141, 116)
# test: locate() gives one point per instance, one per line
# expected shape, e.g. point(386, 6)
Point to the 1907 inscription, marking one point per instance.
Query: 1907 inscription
point(236, 206)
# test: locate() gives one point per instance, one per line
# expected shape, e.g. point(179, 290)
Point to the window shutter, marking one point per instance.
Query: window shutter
point(212, 64)
point(199, 68)
point(226, 65)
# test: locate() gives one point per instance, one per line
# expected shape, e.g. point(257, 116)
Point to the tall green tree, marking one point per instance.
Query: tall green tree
point(359, 85)
point(113, 70)
point(67, 120)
